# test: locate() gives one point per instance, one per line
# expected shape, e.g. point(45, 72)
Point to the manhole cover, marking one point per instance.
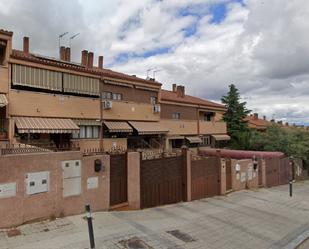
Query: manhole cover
point(182, 236)
point(135, 243)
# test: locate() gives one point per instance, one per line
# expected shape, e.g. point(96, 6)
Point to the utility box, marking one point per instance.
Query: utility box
point(7, 190)
point(37, 182)
point(71, 177)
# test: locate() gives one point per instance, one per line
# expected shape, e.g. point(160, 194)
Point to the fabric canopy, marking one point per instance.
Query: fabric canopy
point(114, 126)
point(3, 100)
point(92, 122)
point(45, 125)
point(221, 137)
point(194, 140)
point(148, 128)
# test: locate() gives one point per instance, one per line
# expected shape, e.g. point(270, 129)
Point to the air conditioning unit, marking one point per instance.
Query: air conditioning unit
point(156, 108)
point(107, 104)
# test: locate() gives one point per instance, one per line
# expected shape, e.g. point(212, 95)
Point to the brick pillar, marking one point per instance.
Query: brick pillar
point(222, 176)
point(134, 193)
point(264, 183)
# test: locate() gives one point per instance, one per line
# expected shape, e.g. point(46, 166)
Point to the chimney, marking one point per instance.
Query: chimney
point(100, 63)
point(68, 54)
point(174, 88)
point(272, 120)
point(280, 122)
point(90, 60)
point(180, 91)
point(255, 116)
point(264, 117)
point(62, 53)
point(26, 45)
point(84, 57)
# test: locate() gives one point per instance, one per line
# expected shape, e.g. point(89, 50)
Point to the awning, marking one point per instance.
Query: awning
point(194, 140)
point(148, 128)
point(115, 126)
point(88, 122)
point(3, 100)
point(45, 125)
point(221, 137)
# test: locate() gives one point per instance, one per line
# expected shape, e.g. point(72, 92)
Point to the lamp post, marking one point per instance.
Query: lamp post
point(90, 227)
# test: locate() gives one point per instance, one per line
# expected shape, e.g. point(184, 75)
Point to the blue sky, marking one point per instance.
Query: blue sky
point(204, 45)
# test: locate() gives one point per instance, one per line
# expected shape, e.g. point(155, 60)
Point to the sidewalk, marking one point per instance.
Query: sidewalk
point(264, 218)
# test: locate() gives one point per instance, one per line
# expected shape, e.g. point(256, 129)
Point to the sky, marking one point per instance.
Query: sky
point(261, 46)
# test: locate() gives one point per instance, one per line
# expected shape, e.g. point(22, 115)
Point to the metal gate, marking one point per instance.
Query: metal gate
point(118, 179)
point(162, 181)
point(228, 172)
point(205, 178)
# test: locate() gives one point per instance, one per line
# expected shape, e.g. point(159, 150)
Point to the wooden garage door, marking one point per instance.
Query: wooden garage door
point(118, 179)
point(161, 181)
point(205, 178)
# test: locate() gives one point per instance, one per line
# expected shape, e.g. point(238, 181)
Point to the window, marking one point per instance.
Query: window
point(176, 115)
point(153, 100)
point(2, 51)
point(106, 95)
point(88, 131)
point(206, 140)
point(208, 116)
point(117, 96)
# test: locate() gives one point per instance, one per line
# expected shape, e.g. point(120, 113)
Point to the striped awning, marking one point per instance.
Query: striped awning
point(221, 137)
point(3, 100)
point(148, 128)
point(45, 125)
point(92, 122)
point(194, 140)
point(115, 126)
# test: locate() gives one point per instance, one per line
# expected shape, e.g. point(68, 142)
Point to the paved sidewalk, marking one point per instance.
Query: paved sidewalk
point(263, 218)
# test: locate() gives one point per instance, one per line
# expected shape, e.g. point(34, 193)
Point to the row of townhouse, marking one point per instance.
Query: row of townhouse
point(48, 102)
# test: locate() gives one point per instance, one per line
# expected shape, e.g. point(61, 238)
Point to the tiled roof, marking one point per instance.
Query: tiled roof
point(6, 32)
point(187, 99)
point(258, 122)
point(17, 54)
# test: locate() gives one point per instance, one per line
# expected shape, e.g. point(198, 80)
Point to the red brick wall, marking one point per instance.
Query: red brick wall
point(23, 207)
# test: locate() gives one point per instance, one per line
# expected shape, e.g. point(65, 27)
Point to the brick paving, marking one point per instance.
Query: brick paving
point(263, 218)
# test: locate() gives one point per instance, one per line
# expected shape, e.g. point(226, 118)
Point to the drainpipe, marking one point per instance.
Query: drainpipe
point(101, 115)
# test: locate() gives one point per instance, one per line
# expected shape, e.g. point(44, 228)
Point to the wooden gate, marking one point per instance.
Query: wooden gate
point(205, 178)
point(162, 181)
point(285, 171)
point(118, 179)
point(272, 171)
point(260, 169)
point(228, 172)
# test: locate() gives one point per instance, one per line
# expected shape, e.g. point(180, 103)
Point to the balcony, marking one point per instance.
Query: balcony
point(180, 127)
point(3, 129)
point(121, 110)
point(212, 127)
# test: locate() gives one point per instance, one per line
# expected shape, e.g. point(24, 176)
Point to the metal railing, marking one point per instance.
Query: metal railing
point(20, 148)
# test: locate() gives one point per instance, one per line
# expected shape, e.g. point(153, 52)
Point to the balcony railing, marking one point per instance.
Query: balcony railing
point(13, 149)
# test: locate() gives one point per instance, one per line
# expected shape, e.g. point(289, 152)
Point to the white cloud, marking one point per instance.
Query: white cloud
point(261, 46)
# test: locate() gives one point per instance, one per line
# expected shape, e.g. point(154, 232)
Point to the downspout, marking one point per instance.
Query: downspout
point(101, 115)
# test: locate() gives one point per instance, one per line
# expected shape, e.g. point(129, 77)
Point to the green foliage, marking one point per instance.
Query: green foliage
point(235, 115)
point(292, 142)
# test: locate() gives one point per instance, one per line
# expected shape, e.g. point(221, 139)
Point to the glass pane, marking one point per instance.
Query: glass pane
point(95, 131)
point(82, 133)
point(89, 132)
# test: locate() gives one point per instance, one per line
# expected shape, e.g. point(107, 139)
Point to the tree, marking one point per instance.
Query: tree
point(235, 114)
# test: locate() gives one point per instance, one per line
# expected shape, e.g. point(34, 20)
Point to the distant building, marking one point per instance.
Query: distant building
point(254, 122)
